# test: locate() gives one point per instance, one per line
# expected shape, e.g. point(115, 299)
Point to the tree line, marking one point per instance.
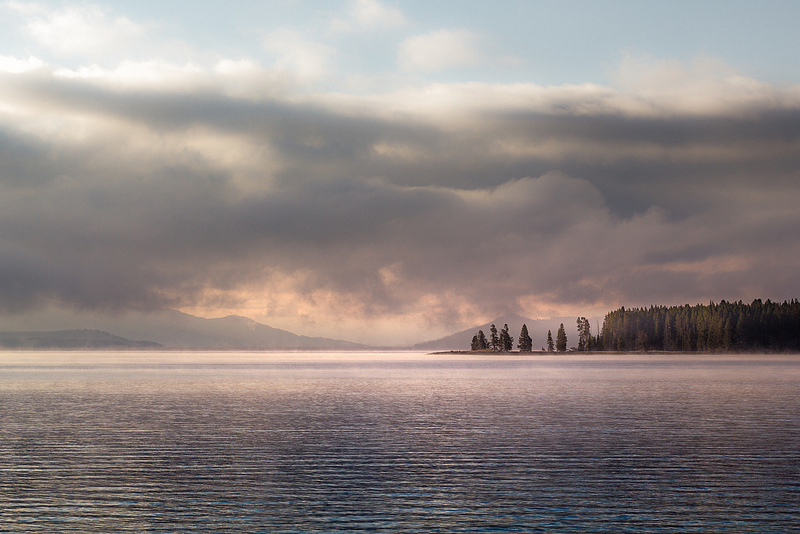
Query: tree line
point(727, 326)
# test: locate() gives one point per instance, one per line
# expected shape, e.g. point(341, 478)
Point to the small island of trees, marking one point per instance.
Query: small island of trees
point(504, 342)
point(727, 326)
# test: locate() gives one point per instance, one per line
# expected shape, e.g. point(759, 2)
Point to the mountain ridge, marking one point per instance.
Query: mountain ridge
point(170, 329)
point(179, 330)
point(175, 330)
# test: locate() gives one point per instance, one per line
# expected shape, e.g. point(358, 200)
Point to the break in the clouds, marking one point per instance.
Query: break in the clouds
point(218, 188)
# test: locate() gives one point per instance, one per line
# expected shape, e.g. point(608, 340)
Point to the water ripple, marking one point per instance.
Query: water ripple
point(392, 445)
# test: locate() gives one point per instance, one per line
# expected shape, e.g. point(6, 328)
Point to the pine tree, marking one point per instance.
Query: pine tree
point(474, 345)
point(494, 340)
point(561, 339)
point(525, 341)
point(550, 345)
point(506, 341)
point(482, 344)
point(584, 334)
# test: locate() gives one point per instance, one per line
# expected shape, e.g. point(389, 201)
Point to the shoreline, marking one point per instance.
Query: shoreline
point(593, 352)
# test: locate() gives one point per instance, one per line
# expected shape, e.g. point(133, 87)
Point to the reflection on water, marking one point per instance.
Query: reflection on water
point(398, 442)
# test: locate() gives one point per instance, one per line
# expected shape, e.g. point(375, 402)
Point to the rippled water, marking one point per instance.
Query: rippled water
point(398, 442)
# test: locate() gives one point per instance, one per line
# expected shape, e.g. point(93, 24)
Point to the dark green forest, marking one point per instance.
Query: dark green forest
point(727, 326)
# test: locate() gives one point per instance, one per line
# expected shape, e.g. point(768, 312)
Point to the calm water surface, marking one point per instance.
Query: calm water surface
point(398, 442)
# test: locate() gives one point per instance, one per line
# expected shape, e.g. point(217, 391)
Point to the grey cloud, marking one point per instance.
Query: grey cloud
point(386, 210)
point(610, 147)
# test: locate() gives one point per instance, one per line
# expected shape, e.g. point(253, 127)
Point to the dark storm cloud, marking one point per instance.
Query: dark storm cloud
point(115, 197)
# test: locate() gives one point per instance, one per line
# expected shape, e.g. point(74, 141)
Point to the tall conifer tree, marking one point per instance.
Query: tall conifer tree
point(482, 344)
point(561, 339)
point(506, 341)
point(494, 340)
point(525, 342)
point(584, 334)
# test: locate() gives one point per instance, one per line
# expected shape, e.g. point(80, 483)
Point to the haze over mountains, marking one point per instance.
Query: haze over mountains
point(171, 329)
point(70, 339)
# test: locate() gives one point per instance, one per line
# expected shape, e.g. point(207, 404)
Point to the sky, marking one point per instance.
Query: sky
point(393, 171)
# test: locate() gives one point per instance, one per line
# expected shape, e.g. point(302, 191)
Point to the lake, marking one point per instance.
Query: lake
point(398, 442)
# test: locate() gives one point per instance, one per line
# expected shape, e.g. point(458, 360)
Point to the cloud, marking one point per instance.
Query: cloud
point(15, 66)
point(84, 29)
point(139, 74)
point(439, 50)
point(704, 85)
point(307, 60)
point(369, 15)
point(419, 209)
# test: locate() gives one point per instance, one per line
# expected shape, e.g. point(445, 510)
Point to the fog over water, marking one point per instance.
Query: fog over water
point(398, 442)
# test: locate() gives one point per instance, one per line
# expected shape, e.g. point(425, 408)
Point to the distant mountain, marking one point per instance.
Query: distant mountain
point(69, 339)
point(537, 329)
point(176, 330)
point(180, 330)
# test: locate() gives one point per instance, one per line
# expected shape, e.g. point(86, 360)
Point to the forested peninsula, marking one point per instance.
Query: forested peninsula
point(727, 326)
point(723, 327)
